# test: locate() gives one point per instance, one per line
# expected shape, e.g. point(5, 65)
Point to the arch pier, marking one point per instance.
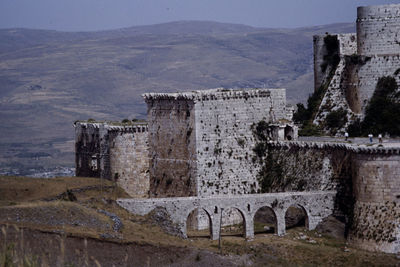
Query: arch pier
point(317, 205)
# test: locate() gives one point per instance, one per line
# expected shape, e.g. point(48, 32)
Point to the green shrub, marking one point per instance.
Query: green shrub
point(310, 129)
point(336, 119)
point(382, 114)
point(301, 114)
point(304, 115)
point(332, 56)
point(261, 130)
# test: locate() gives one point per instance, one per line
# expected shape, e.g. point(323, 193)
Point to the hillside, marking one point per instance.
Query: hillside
point(49, 79)
point(81, 221)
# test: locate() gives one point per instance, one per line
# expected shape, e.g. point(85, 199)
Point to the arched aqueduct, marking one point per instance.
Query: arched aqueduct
point(317, 205)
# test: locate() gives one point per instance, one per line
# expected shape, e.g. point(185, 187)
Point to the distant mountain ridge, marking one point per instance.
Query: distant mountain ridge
point(49, 79)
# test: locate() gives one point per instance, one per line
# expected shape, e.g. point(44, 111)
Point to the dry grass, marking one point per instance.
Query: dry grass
point(20, 189)
point(26, 194)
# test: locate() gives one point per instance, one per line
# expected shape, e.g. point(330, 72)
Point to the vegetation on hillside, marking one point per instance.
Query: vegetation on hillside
point(382, 114)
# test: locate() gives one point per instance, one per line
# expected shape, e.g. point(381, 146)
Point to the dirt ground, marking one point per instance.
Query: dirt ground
point(76, 222)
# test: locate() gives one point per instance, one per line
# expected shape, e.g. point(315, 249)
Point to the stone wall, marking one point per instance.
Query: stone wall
point(201, 141)
point(378, 30)
point(172, 141)
point(369, 73)
point(376, 224)
point(336, 96)
point(298, 166)
point(114, 152)
point(366, 179)
point(376, 54)
point(225, 140)
point(347, 46)
point(87, 150)
point(129, 162)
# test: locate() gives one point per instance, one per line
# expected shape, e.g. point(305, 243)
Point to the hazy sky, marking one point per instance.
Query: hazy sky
point(86, 15)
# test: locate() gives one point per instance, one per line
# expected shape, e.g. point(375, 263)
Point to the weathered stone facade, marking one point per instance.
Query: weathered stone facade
point(366, 179)
point(194, 144)
point(363, 182)
point(114, 152)
point(371, 53)
point(199, 146)
point(376, 222)
point(201, 142)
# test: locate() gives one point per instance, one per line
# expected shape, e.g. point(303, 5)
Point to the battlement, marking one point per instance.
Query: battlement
point(378, 29)
point(216, 94)
point(135, 127)
point(381, 12)
point(359, 149)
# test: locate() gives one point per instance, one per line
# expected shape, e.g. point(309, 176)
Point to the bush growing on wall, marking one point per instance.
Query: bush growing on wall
point(305, 116)
point(336, 119)
point(382, 114)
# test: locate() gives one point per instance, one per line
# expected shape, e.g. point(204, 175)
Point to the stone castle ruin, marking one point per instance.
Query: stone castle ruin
point(196, 152)
point(348, 66)
point(194, 144)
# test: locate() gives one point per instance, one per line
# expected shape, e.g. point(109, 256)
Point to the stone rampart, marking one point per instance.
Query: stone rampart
point(225, 139)
point(376, 54)
point(114, 152)
point(376, 222)
point(201, 141)
point(369, 72)
point(366, 179)
point(336, 96)
point(172, 144)
point(378, 30)
point(347, 46)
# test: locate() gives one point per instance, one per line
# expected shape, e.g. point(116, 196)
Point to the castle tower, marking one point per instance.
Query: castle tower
point(115, 152)
point(378, 43)
point(378, 30)
point(351, 85)
point(201, 142)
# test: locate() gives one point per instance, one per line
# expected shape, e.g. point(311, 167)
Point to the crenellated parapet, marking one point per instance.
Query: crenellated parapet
point(212, 94)
point(135, 127)
point(354, 148)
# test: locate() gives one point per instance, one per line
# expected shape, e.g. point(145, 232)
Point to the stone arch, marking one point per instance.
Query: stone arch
point(231, 224)
point(293, 218)
point(197, 221)
point(265, 216)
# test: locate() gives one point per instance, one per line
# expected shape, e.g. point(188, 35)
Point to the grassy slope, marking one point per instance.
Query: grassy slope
point(49, 79)
point(24, 196)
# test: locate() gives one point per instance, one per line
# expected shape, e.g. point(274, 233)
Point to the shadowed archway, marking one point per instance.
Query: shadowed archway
point(296, 216)
point(233, 222)
point(198, 224)
point(265, 221)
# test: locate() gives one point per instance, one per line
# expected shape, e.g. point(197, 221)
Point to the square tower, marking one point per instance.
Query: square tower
point(201, 142)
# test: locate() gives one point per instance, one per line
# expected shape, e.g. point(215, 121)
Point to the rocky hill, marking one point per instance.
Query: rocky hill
point(49, 79)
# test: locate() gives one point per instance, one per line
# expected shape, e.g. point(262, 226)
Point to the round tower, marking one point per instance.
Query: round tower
point(378, 30)
point(376, 188)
